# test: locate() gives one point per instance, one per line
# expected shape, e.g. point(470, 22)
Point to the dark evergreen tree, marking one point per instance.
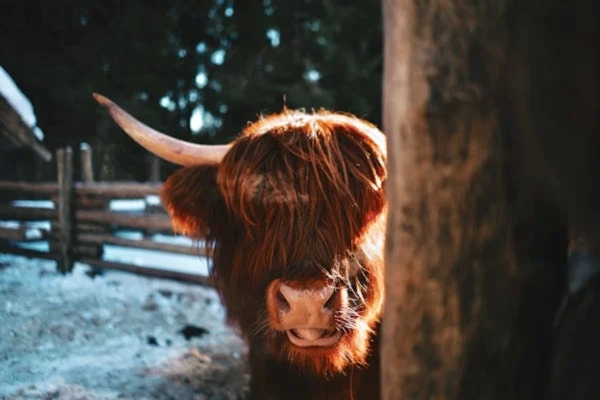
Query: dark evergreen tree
point(216, 63)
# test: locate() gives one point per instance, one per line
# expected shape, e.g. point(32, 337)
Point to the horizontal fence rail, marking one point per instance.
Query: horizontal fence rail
point(124, 190)
point(68, 222)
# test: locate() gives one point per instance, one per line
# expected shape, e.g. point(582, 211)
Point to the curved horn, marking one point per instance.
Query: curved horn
point(164, 146)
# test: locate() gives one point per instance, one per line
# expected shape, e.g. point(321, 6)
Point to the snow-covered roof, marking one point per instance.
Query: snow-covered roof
point(23, 108)
point(11, 92)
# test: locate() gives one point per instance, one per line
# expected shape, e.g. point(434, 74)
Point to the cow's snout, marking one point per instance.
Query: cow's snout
point(305, 312)
point(305, 305)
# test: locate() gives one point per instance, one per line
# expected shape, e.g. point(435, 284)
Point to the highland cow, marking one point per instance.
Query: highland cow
point(294, 213)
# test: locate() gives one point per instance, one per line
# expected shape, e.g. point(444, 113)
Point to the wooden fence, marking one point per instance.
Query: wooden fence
point(81, 222)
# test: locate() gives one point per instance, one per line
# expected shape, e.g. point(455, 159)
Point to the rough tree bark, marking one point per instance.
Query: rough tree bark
point(474, 262)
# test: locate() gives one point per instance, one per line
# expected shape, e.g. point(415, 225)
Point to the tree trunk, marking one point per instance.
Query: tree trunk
point(473, 260)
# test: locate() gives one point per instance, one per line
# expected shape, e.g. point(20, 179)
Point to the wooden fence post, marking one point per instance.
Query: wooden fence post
point(64, 159)
point(89, 202)
point(87, 165)
point(154, 168)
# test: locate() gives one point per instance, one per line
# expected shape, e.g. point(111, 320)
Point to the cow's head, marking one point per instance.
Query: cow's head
point(294, 210)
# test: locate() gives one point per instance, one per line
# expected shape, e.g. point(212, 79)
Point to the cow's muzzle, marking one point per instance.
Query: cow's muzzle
point(305, 311)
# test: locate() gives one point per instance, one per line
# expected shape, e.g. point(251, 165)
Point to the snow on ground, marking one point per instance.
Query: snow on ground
point(113, 336)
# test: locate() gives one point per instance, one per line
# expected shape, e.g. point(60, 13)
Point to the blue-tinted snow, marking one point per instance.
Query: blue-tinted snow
point(33, 203)
point(75, 337)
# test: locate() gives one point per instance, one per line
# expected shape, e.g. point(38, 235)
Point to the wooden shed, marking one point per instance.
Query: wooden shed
point(22, 152)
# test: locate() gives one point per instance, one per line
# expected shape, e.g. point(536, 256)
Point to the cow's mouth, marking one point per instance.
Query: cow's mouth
point(313, 337)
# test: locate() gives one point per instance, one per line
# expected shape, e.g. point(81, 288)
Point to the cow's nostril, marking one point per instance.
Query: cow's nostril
point(309, 300)
point(282, 302)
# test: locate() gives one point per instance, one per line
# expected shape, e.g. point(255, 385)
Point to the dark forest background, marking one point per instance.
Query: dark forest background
point(199, 70)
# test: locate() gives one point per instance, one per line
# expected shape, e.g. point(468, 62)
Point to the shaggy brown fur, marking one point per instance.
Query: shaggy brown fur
point(300, 198)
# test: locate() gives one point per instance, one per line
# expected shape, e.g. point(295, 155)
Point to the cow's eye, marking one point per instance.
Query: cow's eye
point(330, 304)
point(354, 268)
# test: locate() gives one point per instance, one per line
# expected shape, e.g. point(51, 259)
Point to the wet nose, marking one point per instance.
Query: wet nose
point(305, 307)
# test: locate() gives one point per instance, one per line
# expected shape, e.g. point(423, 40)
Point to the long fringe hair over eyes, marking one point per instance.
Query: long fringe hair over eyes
point(303, 186)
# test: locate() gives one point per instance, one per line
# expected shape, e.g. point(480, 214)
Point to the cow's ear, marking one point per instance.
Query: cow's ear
point(193, 201)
